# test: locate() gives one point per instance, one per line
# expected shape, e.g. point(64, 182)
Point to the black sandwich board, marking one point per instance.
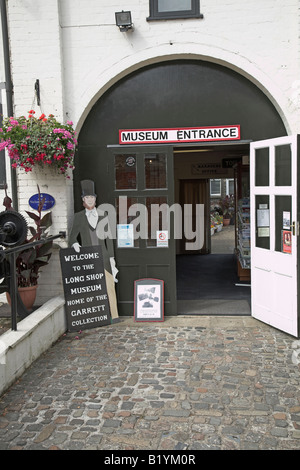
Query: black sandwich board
point(85, 289)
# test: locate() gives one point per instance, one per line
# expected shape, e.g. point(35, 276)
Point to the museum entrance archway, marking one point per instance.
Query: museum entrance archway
point(171, 94)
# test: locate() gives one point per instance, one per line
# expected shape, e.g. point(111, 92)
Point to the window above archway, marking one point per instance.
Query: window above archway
point(174, 9)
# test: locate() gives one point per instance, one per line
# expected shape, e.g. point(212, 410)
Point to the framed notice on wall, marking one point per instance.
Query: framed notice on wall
point(149, 300)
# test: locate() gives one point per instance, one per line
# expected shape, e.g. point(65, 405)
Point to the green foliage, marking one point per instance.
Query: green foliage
point(31, 260)
point(227, 205)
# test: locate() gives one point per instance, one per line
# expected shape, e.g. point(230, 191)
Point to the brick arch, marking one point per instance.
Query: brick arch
point(101, 82)
point(170, 94)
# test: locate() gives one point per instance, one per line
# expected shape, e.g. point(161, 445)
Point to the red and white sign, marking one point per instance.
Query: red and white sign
point(162, 237)
point(179, 135)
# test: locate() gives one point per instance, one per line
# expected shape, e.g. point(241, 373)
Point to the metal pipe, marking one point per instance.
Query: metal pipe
point(13, 291)
point(26, 246)
point(9, 89)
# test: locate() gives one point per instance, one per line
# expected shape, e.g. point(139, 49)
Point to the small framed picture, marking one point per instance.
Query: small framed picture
point(149, 300)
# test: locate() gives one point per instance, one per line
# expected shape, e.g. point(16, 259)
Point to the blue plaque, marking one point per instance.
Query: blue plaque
point(48, 204)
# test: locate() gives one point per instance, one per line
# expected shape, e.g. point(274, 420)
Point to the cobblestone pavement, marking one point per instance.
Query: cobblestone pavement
point(185, 384)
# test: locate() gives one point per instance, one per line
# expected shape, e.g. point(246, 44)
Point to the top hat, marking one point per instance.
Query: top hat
point(87, 188)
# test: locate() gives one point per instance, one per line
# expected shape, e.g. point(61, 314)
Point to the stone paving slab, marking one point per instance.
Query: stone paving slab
point(189, 383)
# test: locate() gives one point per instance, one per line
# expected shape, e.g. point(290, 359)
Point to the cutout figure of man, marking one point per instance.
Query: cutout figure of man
point(84, 233)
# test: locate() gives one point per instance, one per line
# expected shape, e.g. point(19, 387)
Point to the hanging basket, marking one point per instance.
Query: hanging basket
point(42, 142)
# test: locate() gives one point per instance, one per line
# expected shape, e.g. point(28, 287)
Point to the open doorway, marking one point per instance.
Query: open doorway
point(222, 215)
point(209, 281)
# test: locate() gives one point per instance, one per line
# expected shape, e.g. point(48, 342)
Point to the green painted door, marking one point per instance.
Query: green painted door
point(143, 183)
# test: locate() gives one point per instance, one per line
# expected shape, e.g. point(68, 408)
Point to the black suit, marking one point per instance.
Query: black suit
point(82, 233)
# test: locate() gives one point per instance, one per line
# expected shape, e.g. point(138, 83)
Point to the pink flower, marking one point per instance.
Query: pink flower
point(40, 138)
point(3, 145)
point(13, 121)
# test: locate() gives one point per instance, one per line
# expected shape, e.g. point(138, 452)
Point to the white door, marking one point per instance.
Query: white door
point(274, 232)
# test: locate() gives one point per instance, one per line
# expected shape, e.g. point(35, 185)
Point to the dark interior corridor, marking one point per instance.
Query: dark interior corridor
point(208, 284)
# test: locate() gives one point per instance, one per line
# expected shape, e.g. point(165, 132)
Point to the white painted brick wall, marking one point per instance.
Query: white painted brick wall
point(258, 38)
point(36, 54)
point(76, 51)
point(50, 283)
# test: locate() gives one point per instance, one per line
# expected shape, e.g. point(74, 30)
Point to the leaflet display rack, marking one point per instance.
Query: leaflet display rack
point(243, 239)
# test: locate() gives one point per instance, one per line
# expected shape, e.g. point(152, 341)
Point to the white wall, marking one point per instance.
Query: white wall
point(34, 335)
point(78, 41)
point(36, 53)
point(77, 52)
point(4, 107)
point(257, 38)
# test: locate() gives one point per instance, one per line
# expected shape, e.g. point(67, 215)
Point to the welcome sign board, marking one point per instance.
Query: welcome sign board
point(85, 290)
point(179, 135)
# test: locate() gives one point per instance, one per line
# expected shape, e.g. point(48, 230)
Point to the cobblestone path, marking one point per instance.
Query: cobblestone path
point(159, 388)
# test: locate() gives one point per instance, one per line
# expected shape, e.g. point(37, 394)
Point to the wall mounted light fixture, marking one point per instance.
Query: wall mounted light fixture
point(123, 20)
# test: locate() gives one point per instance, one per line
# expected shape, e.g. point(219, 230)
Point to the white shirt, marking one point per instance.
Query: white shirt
point(92, 216)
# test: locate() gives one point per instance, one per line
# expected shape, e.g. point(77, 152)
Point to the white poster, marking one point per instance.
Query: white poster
point(286, 223)
point(149, 300)
point(263, 218)
point(125, 236)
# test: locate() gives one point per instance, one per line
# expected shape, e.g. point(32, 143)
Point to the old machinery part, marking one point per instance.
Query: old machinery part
point(13, 228)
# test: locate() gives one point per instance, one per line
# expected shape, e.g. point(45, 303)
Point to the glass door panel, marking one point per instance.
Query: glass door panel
point(125, 171)
point(262, 221)
point(283, 165)
point(283, 218)
point(158, 219)
point(262, 171)
point(155, 171)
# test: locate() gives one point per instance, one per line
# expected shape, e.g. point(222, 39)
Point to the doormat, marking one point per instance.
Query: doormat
point(209, 277)
point(213, 307)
